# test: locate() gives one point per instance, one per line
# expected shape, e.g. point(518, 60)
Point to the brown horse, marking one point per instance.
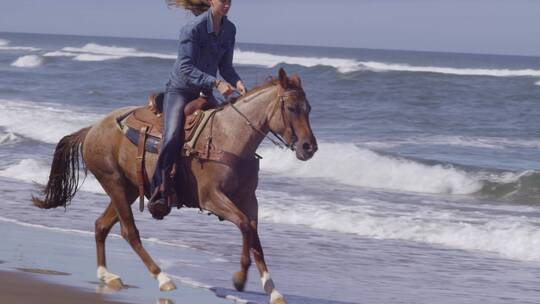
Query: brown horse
point(227, 191)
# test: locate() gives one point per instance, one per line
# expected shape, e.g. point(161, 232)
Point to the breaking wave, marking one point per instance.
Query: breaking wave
point(344, 65)
point(8, 137)
point(509, 236)
point(49, 122)
point(4, 45)
point(29, 61)
point(32, 170)
point(347, 164)
point(271, 60)
point(97, 52)
point(497, 143)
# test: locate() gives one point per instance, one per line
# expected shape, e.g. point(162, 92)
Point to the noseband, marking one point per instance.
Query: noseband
point(282, 96)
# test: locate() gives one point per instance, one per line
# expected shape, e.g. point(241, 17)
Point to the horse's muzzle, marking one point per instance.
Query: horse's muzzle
point(305, 149)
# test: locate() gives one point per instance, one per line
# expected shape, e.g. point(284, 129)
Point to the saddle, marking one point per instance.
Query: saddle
point(150, 117)
point(143, 126)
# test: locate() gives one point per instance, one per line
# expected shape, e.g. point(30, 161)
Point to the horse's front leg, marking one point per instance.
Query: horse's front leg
point(223, 207)
point(252, 210)
point(268, 284)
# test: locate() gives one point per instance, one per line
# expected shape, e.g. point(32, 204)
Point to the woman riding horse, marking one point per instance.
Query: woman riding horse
point(206, 44)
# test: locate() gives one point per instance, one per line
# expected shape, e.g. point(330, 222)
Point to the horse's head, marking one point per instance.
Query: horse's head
point(290, 116)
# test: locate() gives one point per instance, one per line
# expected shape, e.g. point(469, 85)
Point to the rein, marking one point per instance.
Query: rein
point(286, 123)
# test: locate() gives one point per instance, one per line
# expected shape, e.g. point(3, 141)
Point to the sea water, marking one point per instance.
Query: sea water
point(425, 188)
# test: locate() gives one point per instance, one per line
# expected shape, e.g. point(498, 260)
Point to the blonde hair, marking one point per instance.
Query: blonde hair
point(197, 7)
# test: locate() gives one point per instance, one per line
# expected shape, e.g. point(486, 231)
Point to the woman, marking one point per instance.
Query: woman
point(206, 45)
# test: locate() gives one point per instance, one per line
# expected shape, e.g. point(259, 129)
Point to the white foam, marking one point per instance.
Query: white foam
point(8, 137)
point(4, 45)
point(351, 165)
point(270, 60)
point(59, 54)
point(94, 57)
point(461, 141)
point(32, 170)
point(56, 229)
point(19, 48)
point(83, 56)
point(28, 61)
point(537, 83)
point(381, 66)
point(345, 65)
point(97, 52)
point(514, 237)
point(46, 122)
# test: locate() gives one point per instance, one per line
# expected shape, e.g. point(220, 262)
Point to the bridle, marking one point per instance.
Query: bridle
point(282, 96)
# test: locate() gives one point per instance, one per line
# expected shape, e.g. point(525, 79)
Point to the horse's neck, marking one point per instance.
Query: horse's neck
point(235, 134)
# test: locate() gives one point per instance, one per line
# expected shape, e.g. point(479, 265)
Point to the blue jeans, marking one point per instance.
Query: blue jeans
point(173, 121)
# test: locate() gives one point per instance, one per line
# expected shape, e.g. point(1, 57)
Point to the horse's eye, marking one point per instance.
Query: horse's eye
point(292, 109)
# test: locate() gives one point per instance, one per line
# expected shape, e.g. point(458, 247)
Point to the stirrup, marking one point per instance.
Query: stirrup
point(160, 202)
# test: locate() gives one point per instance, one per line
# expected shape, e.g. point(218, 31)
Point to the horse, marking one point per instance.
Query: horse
point(223, 189)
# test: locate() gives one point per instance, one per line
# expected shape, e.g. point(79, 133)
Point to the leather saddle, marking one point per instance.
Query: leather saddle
point(149, 120)
point(143, 126)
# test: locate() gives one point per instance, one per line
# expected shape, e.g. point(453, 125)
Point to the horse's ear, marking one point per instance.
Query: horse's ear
point(283, 80)
point(295, 80)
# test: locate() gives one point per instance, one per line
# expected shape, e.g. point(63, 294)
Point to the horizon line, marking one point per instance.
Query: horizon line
point(294, 45)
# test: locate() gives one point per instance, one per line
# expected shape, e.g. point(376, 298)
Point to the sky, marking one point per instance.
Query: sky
point(469, 26)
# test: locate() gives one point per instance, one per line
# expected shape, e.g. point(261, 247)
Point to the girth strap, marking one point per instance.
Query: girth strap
point(219, 156)
point(140, 166)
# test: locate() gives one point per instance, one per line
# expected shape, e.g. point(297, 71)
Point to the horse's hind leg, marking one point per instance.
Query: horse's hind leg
point(122, 197)
point(103, 225)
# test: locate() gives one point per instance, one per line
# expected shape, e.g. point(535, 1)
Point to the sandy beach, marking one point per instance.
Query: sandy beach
point(16, 287)
point(40, 265)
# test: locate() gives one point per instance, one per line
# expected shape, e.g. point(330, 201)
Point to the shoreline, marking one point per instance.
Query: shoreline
point(37, 264)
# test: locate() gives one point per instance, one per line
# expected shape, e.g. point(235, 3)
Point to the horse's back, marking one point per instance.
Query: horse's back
point(107, 151)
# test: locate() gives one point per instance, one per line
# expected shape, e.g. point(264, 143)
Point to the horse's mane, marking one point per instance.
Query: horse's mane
point(197, 7)
point(270, 82)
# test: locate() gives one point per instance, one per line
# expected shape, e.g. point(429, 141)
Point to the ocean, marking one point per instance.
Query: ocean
point(425, 188)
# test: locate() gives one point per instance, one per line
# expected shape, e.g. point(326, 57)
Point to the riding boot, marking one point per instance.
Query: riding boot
point(159, 205)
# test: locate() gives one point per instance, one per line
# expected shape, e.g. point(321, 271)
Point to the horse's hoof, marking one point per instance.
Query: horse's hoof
point(279, 300)
point(239, 280)
point(115, 284)
point(168, 286)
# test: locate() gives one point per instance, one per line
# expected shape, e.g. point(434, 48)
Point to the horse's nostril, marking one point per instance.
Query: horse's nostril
point(306, 147)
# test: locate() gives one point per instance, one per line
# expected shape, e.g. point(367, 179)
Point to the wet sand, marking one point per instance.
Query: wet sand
point(18, 287)
point(48, 265)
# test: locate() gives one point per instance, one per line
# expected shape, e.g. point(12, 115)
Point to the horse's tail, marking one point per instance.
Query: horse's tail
point(64, 177)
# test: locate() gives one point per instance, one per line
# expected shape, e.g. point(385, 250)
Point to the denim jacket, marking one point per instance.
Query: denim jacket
point(201, 52)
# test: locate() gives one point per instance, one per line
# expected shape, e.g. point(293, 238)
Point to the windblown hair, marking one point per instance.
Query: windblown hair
point(64, 177)
point(197, 7)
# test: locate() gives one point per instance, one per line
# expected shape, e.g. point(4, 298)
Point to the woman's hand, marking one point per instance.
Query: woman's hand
point(241, 88)
point(224, 88)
